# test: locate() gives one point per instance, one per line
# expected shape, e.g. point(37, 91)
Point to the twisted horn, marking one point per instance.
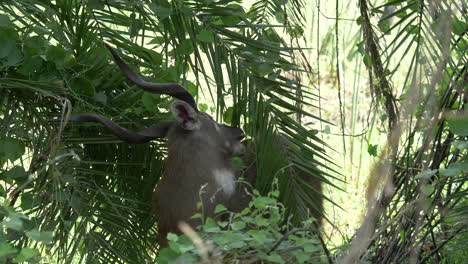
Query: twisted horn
point(158, 130)
point(173, 89)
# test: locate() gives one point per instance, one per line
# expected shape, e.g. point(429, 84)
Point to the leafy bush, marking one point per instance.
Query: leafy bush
point(260, 232)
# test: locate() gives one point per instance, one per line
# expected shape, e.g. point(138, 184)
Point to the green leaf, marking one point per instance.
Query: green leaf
point(26, 254)
point(83, 86)
point(367, 61)
point(205, 36)
point(158, 40)
point(262, 202)
point(17, 174)
point(372, 150)
point(220, 208)
point(7, 249)
point(237, 163)
point(185, 47)
point(459, 27)
point(454, 169)
point(197, 216)
point(172, 237)
point(27, 201)
point(100, 97)
point(239, 225)
point(425, 174)
point(227, 115)
point(14, 223)
point(203, 107)
point(459, 126)
point(427, 189)
point(5, 21)
point(280, 17)
point(150, 101)
point(295, 31)
point(230, 21)
point(8, 45)
point(412, 29)
point(167, 256)
point(135, 25)
point(273, 257)
point(301, 256)
point(58, 55)
point(44, 237)
point(460, 144)
point(95, 4)
point(11, 148)
point(161, 11)
point(211, 226)
point(191, 87)
point(384, 25)
point(258, 236)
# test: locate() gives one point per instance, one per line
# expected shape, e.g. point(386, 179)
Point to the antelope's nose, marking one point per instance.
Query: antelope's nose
point(241, 136)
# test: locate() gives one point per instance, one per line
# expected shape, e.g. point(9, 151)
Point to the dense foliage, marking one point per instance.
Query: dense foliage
point(73, 193)
point(89, 189)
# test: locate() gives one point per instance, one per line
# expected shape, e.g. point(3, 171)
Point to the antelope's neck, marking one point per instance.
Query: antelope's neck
point(194, 168)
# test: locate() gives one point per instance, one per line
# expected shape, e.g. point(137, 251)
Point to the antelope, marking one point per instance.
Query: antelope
point(198, 164)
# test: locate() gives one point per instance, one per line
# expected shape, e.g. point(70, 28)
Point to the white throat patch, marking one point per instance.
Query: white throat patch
point(225, 180)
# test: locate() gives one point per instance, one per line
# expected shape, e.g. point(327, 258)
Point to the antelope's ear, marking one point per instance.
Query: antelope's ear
point(185, 115)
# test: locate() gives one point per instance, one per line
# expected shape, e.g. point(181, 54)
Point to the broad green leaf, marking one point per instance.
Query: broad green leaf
point(257, 235)
point(191, 87)
point(272, 257)
point(172, 237)
point(11, 148)
point(459, 27)
point(135, 26)
point(238, 225)
point(425, 174)
point(205, 36)
point(203, 107)
point(455, 169)
point(14, 223)
point(27, 201)
point(427, 189)
point(26, 254)
point(220, 208)
point(17, 174)
point(4, 21)
point(301, 256)
point(185, 47)
point(234, 19)
point(460, 144)
point(167, 256)
point(7, 249)
point(83, 86)
point(58, 55)
point(45, 237)
point(210, 226)
point(150, 101)
point(459, 126)
point(8, 38)
point(227, 115)
point(100, 97)
point(161, 11)
point(95, 4)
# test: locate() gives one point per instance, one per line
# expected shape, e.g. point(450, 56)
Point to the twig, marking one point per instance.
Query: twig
point(295, 230)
